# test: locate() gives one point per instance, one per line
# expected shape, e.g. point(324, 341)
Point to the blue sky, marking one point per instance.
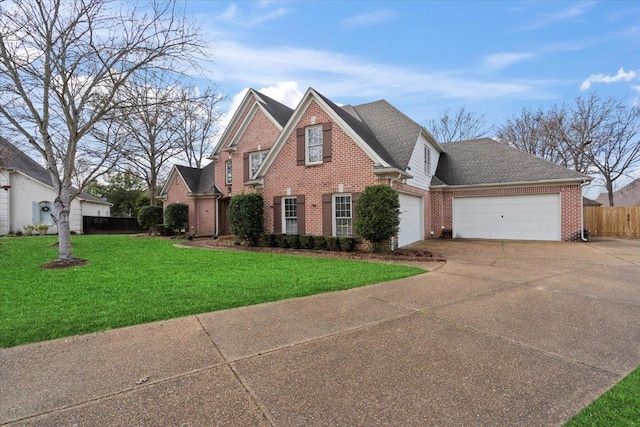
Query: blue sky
point(494, 57)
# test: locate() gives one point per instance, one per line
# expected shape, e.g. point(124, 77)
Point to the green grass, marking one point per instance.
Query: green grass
point(136, 280)
point(620, 406)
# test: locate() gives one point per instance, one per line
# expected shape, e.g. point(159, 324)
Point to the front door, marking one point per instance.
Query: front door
point(225, 227)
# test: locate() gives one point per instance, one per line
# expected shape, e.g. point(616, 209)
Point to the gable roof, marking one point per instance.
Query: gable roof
point(20, 161)
point(629, 195)
point(396, 133)
point(253, 101)
point(198, 181)
point(486, 161)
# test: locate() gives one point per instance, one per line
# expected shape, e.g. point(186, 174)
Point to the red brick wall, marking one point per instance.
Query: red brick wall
point(349, 166)
point(570, 200)
point(260, 134)
point(177, 193)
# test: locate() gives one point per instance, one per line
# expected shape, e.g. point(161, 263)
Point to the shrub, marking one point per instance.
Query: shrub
point(320, 243)
point(306, 241)
point(246, 214)
point(293, 240)
point(267, 240)
point(333, 243)
point(149, 217)
point(347, 244)
point(281, 241)
point(377, 214)
point(176, 216)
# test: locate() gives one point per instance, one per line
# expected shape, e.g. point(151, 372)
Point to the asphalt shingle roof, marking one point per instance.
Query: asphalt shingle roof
point(199, 181)
point(396, 132)
point(487, 161)
point(13, 158)
point(628, 195)
point(278, 111)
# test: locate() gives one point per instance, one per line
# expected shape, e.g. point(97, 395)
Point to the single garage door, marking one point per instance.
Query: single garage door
point(533, 217)
point(411, 219)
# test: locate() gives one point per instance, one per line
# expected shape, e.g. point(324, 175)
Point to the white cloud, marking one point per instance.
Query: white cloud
point(234, 15)
point(349, 76)
point(602, 78)
point(502, 60)
point(287, 93)
point(576, 10)
point(370, 18)
point(636, 88)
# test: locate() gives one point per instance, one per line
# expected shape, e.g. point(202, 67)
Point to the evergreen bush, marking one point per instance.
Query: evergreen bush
point(149, 217)
point(377, 214)
point(176, 216)
point(246, 214)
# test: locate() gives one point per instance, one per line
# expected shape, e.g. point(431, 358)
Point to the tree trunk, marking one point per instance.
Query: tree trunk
point(62, 208)
point(609, 185)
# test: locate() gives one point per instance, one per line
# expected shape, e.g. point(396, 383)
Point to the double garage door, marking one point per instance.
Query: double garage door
point(530, 217)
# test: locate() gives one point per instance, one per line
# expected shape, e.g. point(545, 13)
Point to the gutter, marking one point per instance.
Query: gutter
point(509, 184)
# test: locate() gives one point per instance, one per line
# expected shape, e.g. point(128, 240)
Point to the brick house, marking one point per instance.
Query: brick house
point(312, 163)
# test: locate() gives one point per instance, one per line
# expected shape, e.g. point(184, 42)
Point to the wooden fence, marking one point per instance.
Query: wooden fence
point(110, 225)
point(612, 221)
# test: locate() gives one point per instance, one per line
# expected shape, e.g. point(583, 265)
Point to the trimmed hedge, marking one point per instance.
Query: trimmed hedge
point(293, 240)
point(268, 240)
point(176, 216)
point(378, 214)
point(347, 244)
point(320, 243)
point(333, 243)
point(306, 241)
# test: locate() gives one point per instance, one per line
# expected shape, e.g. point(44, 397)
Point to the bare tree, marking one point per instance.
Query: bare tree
point(591, 135)
point(458, 126)
point(150, 130)
point(63, 66)
point(196, 123)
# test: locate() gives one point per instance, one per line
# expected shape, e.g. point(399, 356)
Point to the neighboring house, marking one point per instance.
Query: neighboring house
point(27, 195)
point(312, 163)
point(590, 202)
point(629, 195)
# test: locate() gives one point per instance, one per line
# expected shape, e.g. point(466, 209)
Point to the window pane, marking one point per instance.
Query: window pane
point(314, 144)
point(290, 215)
point(342, 215)
point(228, 171)
point(255, 160)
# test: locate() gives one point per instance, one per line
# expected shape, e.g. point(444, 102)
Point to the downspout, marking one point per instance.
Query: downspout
point(582, 211)
point(391, 185)
point(217, 216)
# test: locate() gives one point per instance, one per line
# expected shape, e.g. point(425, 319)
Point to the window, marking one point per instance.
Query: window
point(228, 172)
point(289, 215)
point(255, 160)
point(427, 160)
point(342, 215)
point(313, 144)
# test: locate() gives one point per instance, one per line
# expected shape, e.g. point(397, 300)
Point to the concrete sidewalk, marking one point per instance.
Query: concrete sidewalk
point(502, 334)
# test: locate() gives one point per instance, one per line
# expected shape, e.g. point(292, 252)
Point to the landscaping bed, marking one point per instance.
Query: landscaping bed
point(402, 254)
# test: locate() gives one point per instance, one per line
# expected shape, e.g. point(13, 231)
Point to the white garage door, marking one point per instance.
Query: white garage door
point(534, 217)
point(411, 215)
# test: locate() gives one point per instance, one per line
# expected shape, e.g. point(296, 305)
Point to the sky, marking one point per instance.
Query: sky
point(494, 58)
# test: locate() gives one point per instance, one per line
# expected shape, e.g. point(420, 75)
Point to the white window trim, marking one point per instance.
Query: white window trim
point(284, 216)
point(334, 230)
point(228, 174)
point(263, 154)
point(306, 145)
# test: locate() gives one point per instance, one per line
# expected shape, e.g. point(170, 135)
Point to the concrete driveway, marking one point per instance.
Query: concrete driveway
point(504, 333)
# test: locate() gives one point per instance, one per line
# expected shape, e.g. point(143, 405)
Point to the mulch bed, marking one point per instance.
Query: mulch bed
point(65, 263)
point(397, 255)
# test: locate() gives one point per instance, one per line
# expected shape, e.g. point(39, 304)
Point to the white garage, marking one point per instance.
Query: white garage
point(530, 217)
point(411, 219)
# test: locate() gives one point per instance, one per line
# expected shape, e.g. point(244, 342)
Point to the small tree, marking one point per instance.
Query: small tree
point(378, 214)
point(149, 217)
point(176, 216)
point(246, 213)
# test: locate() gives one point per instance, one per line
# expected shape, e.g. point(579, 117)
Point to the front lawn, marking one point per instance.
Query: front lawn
point(137, 280)
point(620, 406)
